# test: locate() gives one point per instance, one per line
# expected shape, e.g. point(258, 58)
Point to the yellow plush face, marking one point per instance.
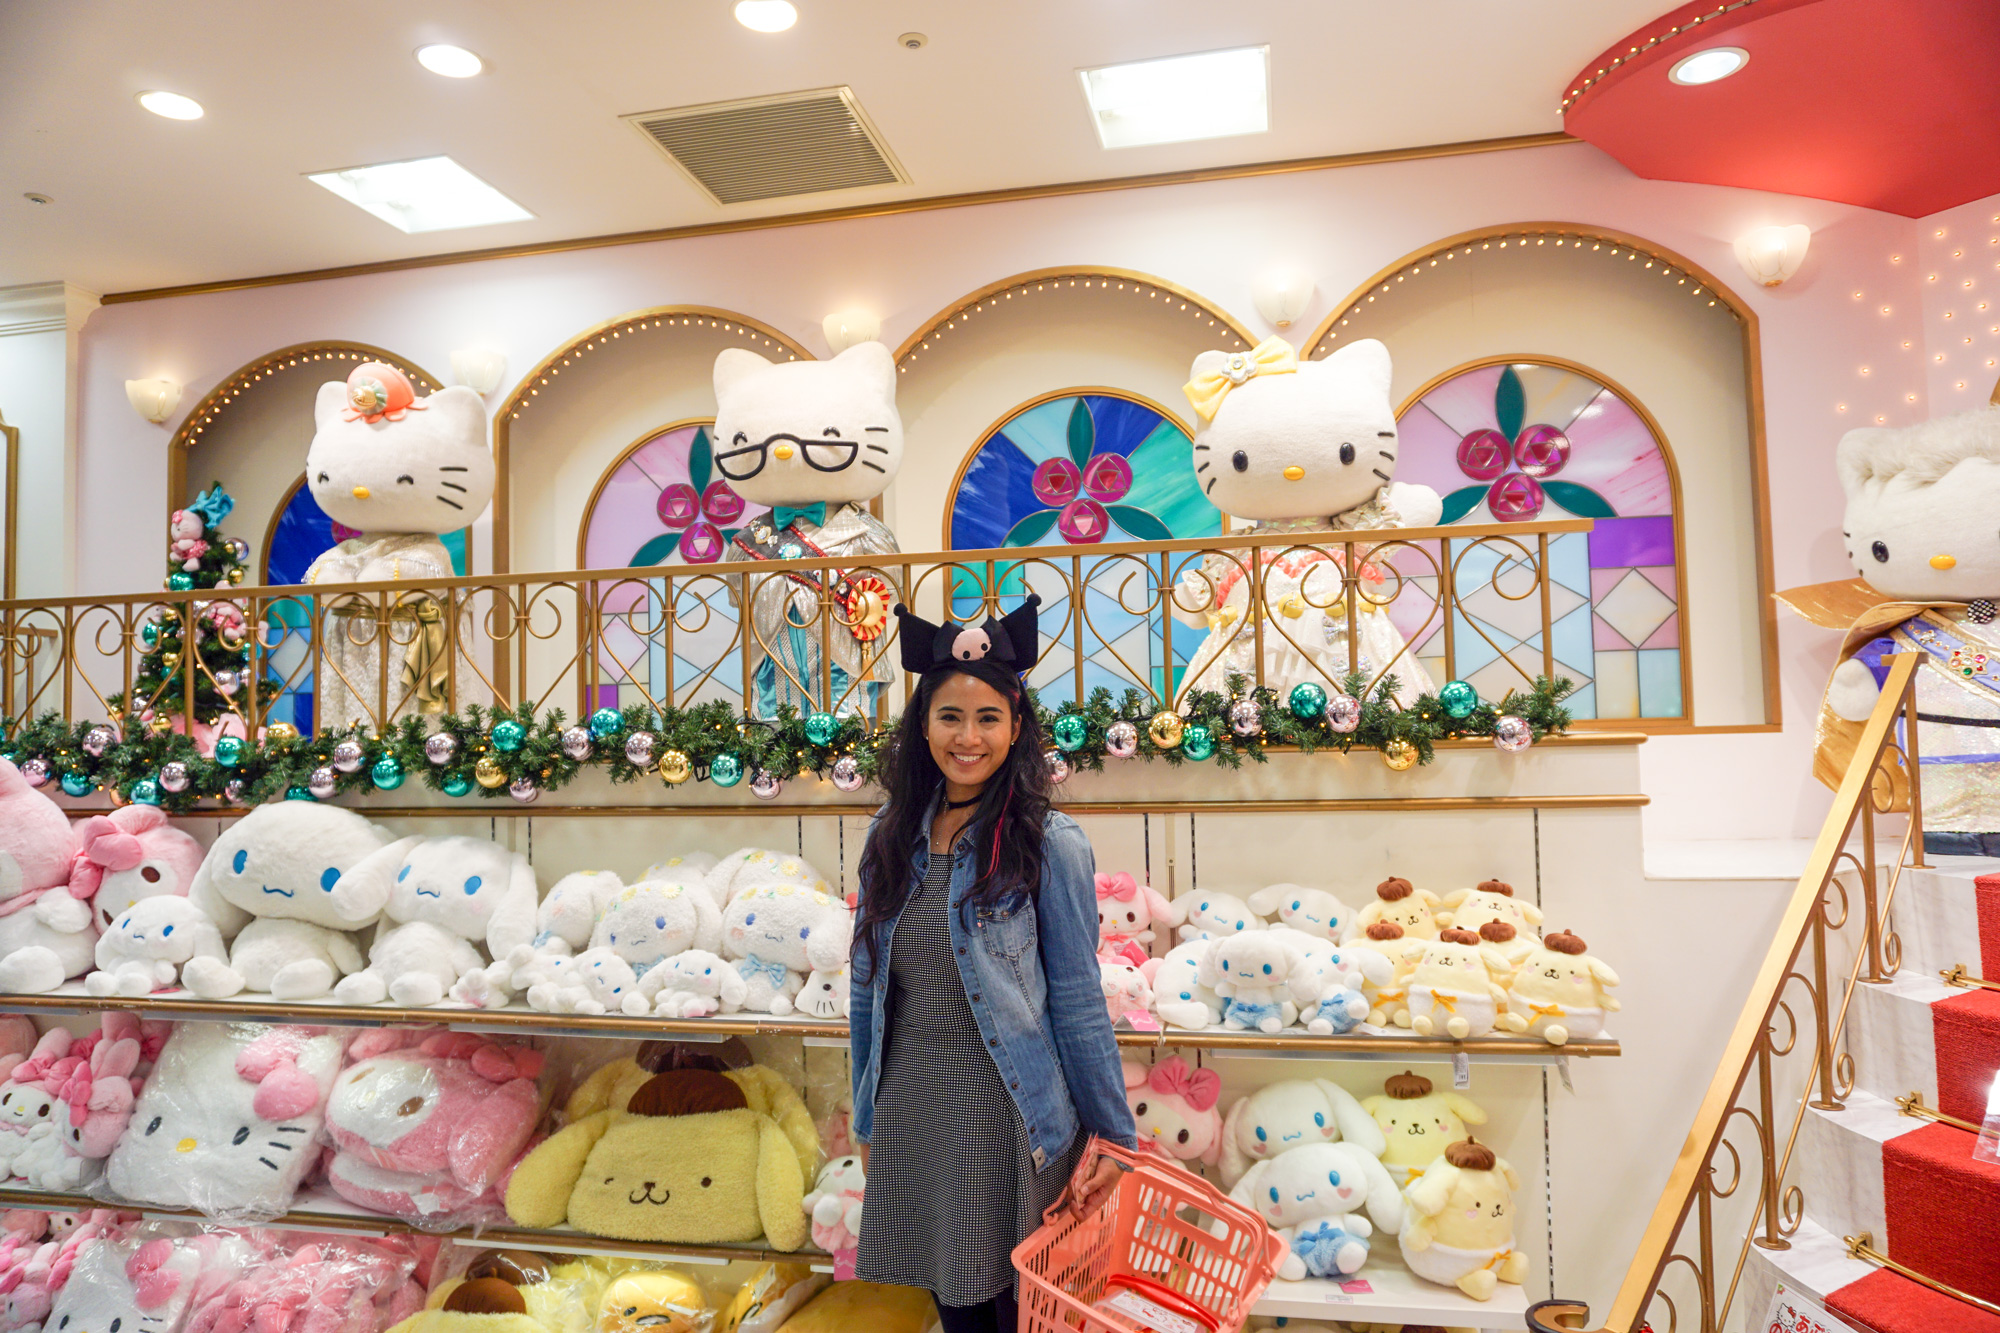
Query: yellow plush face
point(1413, 914)
point(1479, 1214)
point(1574, 980)
point(1417, 1128)
point(1470, 909)
point(691, 1179)
point(660, 1302)
point(1460, 967)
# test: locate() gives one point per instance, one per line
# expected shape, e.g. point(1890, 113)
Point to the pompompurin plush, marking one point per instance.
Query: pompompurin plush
point(1419, 1121)
point(1458, 1227)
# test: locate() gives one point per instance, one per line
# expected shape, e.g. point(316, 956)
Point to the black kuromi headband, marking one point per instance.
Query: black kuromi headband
point(1010, 641)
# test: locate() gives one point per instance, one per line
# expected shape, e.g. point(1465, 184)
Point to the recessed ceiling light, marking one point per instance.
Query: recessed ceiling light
point(1205, 96)
point(171, 105)
point(454, 62)
point(1718, 62)
point(766, 15)
point(426, 194)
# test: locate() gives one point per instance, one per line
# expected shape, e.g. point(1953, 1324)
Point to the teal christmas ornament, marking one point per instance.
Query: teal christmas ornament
point(179, 581)
point(145, 792)
point(298, 794)
point(1070, 731)
point(508, 735)
point(1458, 698)
point(149, 634)
point(725, 770)
point(1197, 741)
point(387, 774)
point(1307, 700)
point(821, 728)
point(606, 722)
point(456, 784)
point(75, 784)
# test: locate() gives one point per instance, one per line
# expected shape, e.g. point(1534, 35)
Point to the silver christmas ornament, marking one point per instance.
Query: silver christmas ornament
point(347, 756)
point(97, 740)
point(846, 773)
point(441, 749)
point(639, 749)
point(1343, 712)
point(36, 771)
point(1121, 740)
point(1058, 767)
point(174, 776)
point(1245, 719)
point(233, 791)
point(576, 743)
point(322, 783)
point(1512, 734)
point(227, 681)
point(764, 785)
point(523, 790)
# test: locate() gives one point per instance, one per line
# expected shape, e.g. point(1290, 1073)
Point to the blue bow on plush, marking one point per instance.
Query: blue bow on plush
point(783, 516)
point(213, 505)
point(752, 967)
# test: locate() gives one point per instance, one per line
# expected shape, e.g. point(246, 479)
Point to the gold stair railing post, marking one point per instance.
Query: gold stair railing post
point(1767, 1200)
point(1823, 1059)
point(1872, 931)
point(1913, 761)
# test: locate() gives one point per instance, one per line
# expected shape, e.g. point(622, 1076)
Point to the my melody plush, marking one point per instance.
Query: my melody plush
point(1419, 1121)
point(425, 1124)
point(1279, 1117)
point(1561, 991)
point(1180, 997)
point(1458, 1224)
point(835, 1204)
point(688, 1156)
point(1308, 448)
point(147, 946)
point(29, 1095)
point(134, 853)
point(442, 900)
point(282, 864)
point(1308, 911)
point(47, 934)
point(229, 1120)
point(815, 441)
point(1126, 913)
point(1128, 998)
point(1398, 901)
point(1458, 986)
point(1215, 915)
point(1312, 1197)
point(1253, 973)
point(400, 471)
point(766, 932)
point(1174, 1109)
point(94, 1090)
point(697, 983)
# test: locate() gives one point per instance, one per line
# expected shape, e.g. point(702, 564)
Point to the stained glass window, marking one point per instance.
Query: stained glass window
point(1525, 440)
point(1078, 469)
point(664, 503)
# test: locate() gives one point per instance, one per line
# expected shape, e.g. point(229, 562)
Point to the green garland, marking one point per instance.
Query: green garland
point(137, 762)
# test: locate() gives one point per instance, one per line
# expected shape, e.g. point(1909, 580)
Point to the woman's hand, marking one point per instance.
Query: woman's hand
point(1102, 1177)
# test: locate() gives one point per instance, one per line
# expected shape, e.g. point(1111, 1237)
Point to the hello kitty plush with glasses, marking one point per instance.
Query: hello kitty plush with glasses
point(815, 441)
point(1305, 447)
point(401, 471)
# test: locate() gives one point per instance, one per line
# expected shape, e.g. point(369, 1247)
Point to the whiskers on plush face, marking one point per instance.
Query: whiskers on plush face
point(430, 472)
point(804, 431)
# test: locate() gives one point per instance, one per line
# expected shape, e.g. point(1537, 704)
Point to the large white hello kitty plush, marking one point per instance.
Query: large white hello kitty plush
point(1919, 530)
point(1306, 448)
point(1279, 1117)
point(229, 1120)
point(766, 933)
point(400, 471)
point(46, 931)
point(444, 900)
point(146, 1283)
point(1313, 1197)
point(145, 949)
point(815, 441)
point(282, 864)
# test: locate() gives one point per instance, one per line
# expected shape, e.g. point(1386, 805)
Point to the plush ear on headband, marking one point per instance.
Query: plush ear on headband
point(1011, 641)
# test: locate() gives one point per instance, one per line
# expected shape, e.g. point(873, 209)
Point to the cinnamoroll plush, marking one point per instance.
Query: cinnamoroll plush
point(754, 867)
point(1561, 991)
point(697, 983)
point(1279, 1117)
point(1180, 997)
point(1458, 1227)
point(1313, 1198)
point(1397, 900)
point(1457, 986)
point(1328, 982)
point(46, 931)
point(1126, 913)
point(1174, 1107)
point(443, 901)
point(146, 947)
point(1419, 1121)
point(766, 932)
point(1254, 974)
point(653, 920)
point(1308, 911)
point(596, 981)
point(1213, 916)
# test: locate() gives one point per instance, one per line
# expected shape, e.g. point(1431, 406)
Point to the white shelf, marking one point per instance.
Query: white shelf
point(1395, 1296)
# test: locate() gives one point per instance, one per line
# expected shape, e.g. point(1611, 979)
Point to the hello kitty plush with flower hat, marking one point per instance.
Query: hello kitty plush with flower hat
point(1126, 913)
point(400, 471)
point(815, 441)
point(1306, 448)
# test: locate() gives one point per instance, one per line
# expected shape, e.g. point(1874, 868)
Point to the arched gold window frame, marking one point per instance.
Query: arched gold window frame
point(1386, 280)
point(604, 478)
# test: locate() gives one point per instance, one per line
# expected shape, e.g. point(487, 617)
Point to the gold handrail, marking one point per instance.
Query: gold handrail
point(1691, 1187)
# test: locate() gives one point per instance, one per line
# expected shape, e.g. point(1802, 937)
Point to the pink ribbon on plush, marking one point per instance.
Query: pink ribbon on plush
point(1120, 886)
point(1199, 1088)
point(153, 1284)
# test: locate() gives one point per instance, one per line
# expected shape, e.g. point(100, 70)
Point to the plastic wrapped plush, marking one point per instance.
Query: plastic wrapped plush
point(156, 1274)
point(229, 1122)
point(314, 1285)
point(523, 1291)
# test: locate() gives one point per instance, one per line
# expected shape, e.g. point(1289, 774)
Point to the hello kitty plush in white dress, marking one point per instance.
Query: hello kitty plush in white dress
point(816, 441)
point(1306, 448)
point(401, 471)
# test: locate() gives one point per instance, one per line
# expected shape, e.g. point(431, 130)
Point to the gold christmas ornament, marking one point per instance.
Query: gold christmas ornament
point(170, 660)
point(1399, 754)
point(1165, 729)
point(488, 773)
point(161, 724)
point(281, 731)
point(236, 574)
point(675, 768)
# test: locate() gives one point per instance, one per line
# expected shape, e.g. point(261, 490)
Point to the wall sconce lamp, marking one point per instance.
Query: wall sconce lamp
point(845, 328)
point(154, 400)
point(1282, 295)
point(1773, 254)
point(478, 369)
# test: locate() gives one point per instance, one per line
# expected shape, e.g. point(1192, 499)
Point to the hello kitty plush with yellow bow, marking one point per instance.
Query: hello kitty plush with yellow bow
point(1560, 991)
point(400, 471)
point(1306, 448)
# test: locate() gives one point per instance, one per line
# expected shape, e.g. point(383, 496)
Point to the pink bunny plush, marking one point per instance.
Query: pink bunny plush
point(1173, 1106)
point(426, 1124)
point(1126, 911)
point(46, 931)
point(29, 1292)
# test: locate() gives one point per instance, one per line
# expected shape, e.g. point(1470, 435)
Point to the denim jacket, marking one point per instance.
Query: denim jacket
point(1029, 968)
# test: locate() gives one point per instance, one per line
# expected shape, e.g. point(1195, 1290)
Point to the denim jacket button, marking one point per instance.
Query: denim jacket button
point(961, 951)
point(1015, 1084)
point(975, 999)
point(992, 1041)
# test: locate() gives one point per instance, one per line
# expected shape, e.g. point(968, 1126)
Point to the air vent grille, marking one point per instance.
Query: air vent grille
point(774, 147)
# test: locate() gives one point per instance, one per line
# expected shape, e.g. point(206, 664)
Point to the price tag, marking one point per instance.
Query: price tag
point(1461, 1071)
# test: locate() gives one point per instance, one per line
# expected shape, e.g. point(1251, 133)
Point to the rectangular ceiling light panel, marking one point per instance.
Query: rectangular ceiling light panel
point(773, 147)
point(1210, 95)
point(423, 194)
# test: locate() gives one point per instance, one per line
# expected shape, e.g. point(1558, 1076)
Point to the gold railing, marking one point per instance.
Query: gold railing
point(1159, 618)
point(1760, 1082)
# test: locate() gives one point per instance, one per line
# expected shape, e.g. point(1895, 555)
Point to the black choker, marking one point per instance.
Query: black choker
point(960, 805)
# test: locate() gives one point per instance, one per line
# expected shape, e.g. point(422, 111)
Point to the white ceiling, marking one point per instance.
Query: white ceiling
point(991, 102)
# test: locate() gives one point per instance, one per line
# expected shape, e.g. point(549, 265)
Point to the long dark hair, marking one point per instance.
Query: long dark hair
point(1006, 825)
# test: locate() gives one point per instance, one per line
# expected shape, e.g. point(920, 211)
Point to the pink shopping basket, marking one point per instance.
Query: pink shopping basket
point(1160, 1225)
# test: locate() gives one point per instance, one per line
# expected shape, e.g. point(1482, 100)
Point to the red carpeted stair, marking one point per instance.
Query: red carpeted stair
point(1967, 1028)
point(1987, 903)
point(1886, 1302)
point(1942, 1206)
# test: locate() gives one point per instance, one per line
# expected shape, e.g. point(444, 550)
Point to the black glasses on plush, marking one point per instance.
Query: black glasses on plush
point(743, 460)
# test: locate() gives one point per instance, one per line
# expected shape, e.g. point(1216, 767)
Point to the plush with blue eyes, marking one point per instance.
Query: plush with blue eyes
point(402, 874)
point(1262, 1137)
point(241, 859)
point(750, 920)
point(659, 923)
point(472, 885)
point(328, 878)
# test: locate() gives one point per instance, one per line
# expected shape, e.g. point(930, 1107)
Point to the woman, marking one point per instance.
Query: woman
point(982, 1053)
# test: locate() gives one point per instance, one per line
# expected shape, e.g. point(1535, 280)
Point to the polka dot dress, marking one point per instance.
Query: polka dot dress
point(952, 1188)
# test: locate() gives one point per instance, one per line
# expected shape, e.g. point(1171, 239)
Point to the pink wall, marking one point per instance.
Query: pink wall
point(1212, 238)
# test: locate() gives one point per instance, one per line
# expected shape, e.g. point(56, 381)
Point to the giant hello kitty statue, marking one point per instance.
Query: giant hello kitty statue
point(1306, 448)
point(1919, 527)
point(816, 441)
point(401, 472)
